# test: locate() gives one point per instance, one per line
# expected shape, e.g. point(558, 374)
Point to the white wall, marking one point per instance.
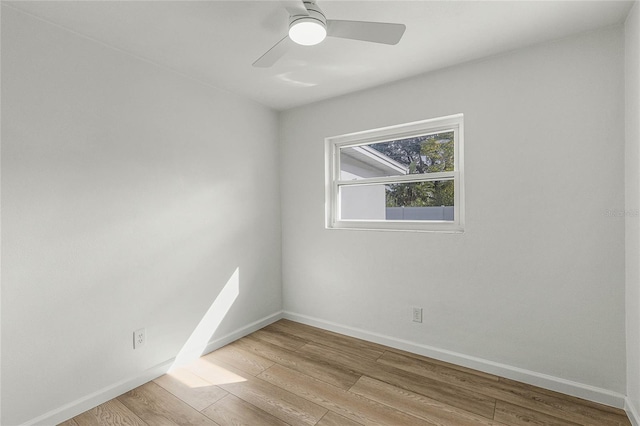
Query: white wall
point(632, 185)
point(539, 286)
point(130, 196)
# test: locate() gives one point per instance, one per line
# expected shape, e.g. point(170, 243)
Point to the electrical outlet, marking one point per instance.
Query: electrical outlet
point(417, 314)
point(139, 338)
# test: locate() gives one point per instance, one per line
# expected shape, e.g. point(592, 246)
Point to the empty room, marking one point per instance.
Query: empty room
point(320, 213)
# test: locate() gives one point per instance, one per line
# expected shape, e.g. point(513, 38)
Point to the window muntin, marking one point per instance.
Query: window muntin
point(406, 177)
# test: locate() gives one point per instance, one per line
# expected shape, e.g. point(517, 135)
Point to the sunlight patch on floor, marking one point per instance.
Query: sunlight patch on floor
point(203, 373)
point(213, 373)
point(187, 379)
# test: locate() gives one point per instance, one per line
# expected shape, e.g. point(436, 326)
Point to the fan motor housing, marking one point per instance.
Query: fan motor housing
point(315, 15)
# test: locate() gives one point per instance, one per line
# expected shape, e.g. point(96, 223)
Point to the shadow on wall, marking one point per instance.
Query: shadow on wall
point(199, 339)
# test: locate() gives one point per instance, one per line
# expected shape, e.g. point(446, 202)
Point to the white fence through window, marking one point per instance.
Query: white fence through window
point(420, 213)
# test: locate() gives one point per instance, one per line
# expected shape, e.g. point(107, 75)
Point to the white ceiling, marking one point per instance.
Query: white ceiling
point(216, 42)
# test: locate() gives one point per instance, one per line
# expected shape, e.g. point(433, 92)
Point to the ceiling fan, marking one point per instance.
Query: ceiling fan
point(308, 26)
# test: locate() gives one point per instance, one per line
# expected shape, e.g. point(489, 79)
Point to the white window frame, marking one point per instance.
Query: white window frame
point(386, 134)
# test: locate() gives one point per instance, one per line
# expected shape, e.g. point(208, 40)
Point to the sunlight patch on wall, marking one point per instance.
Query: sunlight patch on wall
point(199, 339)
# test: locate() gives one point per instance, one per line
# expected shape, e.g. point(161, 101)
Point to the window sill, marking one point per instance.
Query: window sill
point(399, 226)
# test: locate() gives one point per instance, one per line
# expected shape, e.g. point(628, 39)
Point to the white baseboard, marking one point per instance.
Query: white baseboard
point(87, 402)
point(632, 412)
point(240, 333)
point(568, 387)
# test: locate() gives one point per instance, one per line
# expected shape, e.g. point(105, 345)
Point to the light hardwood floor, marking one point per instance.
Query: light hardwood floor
point(292, 374)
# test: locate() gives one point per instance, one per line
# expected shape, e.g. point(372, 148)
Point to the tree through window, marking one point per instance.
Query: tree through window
point(423, 154)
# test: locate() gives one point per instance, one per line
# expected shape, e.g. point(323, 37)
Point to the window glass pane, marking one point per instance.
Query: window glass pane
point(362, 202)
point(416, 155)
point(424, 201)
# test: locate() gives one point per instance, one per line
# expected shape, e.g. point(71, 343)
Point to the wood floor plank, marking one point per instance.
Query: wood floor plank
point(618, 412)
point(333, 419)
point(322, 369)
point(284, 340)
point(570, 409)
point(351, 345)
point(563, 407)
point(445, 364)
point(347, 404)
point(272, 399)
point(69, 422)
point(242, 359)
point(216, 371)
point(449, 394)
point(426, 368)
point(110, 413)
point(514, 415)
point(418, 405)
point(233, 411)
point(360, 347)
point(156, 406)
point(190, 388)
point(515, 393)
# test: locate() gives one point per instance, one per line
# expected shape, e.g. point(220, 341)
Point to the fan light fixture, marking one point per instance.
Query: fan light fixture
point(309, 26)
point(307, 31)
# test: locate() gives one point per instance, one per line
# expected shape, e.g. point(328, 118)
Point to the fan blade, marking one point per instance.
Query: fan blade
point(295, 7)
point(273, 54)
point(377, 32)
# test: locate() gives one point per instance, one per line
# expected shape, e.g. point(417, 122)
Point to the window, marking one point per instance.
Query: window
point(405, 177)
